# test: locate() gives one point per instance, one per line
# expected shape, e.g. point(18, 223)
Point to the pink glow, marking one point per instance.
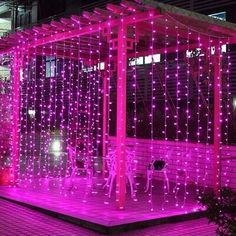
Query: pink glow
point(61, 124)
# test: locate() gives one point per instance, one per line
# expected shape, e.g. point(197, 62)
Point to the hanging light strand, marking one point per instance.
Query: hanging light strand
point(151, 114)
point(227, 117)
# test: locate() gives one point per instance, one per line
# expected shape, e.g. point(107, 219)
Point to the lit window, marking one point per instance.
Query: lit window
point(154, 58)
point(194, 53)
point(31, 113)
point(223, 49)
point(50, 67)
point(136, 61)
point(21, 74)
point(101, 65)
point(234, 103)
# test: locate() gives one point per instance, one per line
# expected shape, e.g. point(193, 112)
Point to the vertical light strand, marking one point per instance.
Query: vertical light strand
point(227, 116)
point(63, 127)
point(166, 108)
point(69, 92)
point(59, 113)
point(89, 117)
point(199, 109)
point(82, 106)
point(89, 127)
point(60, 77)
point(187, 112)
point(33, 114)
point(98, 100)
point(135, 104)
point(46, 112)
point(176, 116)
point(50, 115)
point(56, 155)
point(21, 121)
point(31, 139)
point(107, 95)
point(78, 101)
point(208, 114)
point(109, 72)
point(151, 114)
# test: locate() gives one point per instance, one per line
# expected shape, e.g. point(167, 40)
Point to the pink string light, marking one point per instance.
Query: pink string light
point(199, 109)
point(227, 176)
point(135, 101)
point(208, 115)
point(176, 116)
point(166, 107)
point(151, 114)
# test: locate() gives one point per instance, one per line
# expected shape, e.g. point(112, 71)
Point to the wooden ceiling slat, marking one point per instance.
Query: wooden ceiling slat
point(46, 27)
point(104, 13)
point(80, 20)
point(131, 6)
point(92, 17)
point(67, 22)
point(57, 25)
point(40, 30)
point(28, 32)
point(117, 9)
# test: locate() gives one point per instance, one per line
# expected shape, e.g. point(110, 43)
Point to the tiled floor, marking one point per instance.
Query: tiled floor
point(198, 227)
point(16, 220)
point(93, 204)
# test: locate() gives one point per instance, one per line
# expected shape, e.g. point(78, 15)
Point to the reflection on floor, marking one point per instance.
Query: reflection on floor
point(20, 221)
point(91, 203)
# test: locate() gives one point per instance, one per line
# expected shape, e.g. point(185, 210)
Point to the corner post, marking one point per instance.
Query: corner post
point(121, 116)
point(217, 119)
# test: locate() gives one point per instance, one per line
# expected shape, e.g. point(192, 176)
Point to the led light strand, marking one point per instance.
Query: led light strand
point(151, 114)
point(227, 117)
point(208, 115)
point(135, 81)
point(63, 127)
point(59, 76)
point(176, 116)
point(166, 108)
point(50, 101)
point(199, 109)
point(34, 101)
point(187, 151)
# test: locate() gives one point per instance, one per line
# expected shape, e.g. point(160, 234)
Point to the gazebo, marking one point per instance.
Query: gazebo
point(76, 89)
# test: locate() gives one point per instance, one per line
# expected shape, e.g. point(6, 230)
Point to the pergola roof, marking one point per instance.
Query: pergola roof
point(202, 23)
point(89, 23)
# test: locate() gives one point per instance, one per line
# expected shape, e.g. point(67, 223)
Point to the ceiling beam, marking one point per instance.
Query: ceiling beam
point(86, 30)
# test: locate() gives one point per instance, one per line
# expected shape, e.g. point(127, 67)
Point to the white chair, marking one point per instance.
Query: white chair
point(78, 165)
point(129, 172)
point(156, 166)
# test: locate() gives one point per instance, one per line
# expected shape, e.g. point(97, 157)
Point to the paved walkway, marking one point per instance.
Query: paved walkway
point(16, 220)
